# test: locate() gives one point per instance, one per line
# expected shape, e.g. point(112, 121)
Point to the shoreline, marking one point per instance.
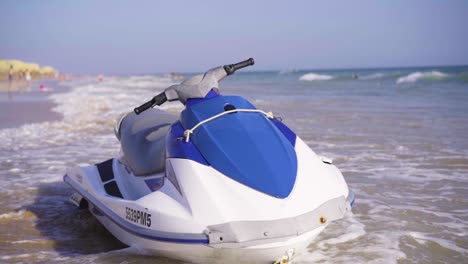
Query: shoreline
point(24, 106)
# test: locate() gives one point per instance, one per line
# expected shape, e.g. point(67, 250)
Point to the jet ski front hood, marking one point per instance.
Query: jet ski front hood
point(247, 147)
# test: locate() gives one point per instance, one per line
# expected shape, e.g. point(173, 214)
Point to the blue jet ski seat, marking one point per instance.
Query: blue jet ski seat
point(143, 140)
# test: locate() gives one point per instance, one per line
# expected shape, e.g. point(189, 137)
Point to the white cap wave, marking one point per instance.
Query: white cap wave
point(416, 76)
point(315, 77)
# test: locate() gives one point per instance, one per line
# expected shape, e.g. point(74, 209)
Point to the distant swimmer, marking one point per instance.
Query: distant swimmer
point(355, 76)
point(101, 77)
point(42, 88)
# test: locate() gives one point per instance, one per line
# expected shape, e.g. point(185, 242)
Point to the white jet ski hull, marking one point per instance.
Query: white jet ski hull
point(231, 221)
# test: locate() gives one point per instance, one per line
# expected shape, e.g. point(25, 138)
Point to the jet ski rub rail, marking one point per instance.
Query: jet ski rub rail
point(190, 131)
point(253, 232)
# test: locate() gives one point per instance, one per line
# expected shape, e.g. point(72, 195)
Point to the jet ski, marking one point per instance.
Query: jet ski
point(222, 182)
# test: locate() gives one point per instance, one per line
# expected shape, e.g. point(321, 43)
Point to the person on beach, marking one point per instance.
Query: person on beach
point(28, 79)
point(10, 81)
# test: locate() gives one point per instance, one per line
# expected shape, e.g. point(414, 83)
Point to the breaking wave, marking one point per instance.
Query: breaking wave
point(145, 81)
point(315, 77)
point(417, 76)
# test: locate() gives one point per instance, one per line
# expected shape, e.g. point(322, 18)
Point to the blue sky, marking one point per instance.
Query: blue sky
point(128, 37)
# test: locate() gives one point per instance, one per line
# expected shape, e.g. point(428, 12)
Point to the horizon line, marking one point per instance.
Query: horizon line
point(279, 70)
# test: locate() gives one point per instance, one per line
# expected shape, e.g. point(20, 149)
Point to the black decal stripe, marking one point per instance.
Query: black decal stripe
point(105, 170)
point(112, 189)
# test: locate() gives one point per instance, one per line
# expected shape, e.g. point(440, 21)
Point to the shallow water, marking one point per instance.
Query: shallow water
point(400, 137)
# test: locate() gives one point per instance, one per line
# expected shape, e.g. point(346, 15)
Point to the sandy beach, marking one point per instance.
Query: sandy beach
point(25, 105)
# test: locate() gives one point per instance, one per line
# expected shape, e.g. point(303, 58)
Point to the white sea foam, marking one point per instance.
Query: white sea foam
point(16, 215)
point(384, 248)
point(424, 239)
point(92, 105)
point(31, 241)
point(315, 77)
point(145, 81)
point(90, 110)
point(27, 258)
point(417, 76)
point(19, 256)
point(353, 232)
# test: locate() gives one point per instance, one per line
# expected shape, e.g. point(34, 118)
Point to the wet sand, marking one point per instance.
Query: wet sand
point(28, 105)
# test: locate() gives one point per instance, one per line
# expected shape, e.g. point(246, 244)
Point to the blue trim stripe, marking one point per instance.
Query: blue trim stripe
point(287, 132)
point(128, 227)
point(351, 198)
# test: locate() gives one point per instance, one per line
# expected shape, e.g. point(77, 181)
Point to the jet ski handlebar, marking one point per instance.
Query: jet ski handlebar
point(195, 87)
point(231, 68)
point(157, 100)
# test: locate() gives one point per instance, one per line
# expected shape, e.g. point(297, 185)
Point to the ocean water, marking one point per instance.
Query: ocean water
point(400, 137)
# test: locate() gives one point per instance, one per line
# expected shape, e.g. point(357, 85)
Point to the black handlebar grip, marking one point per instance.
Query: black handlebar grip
point(157, 100)
point(144, 107)
point(231, 68)
point(160, 98)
